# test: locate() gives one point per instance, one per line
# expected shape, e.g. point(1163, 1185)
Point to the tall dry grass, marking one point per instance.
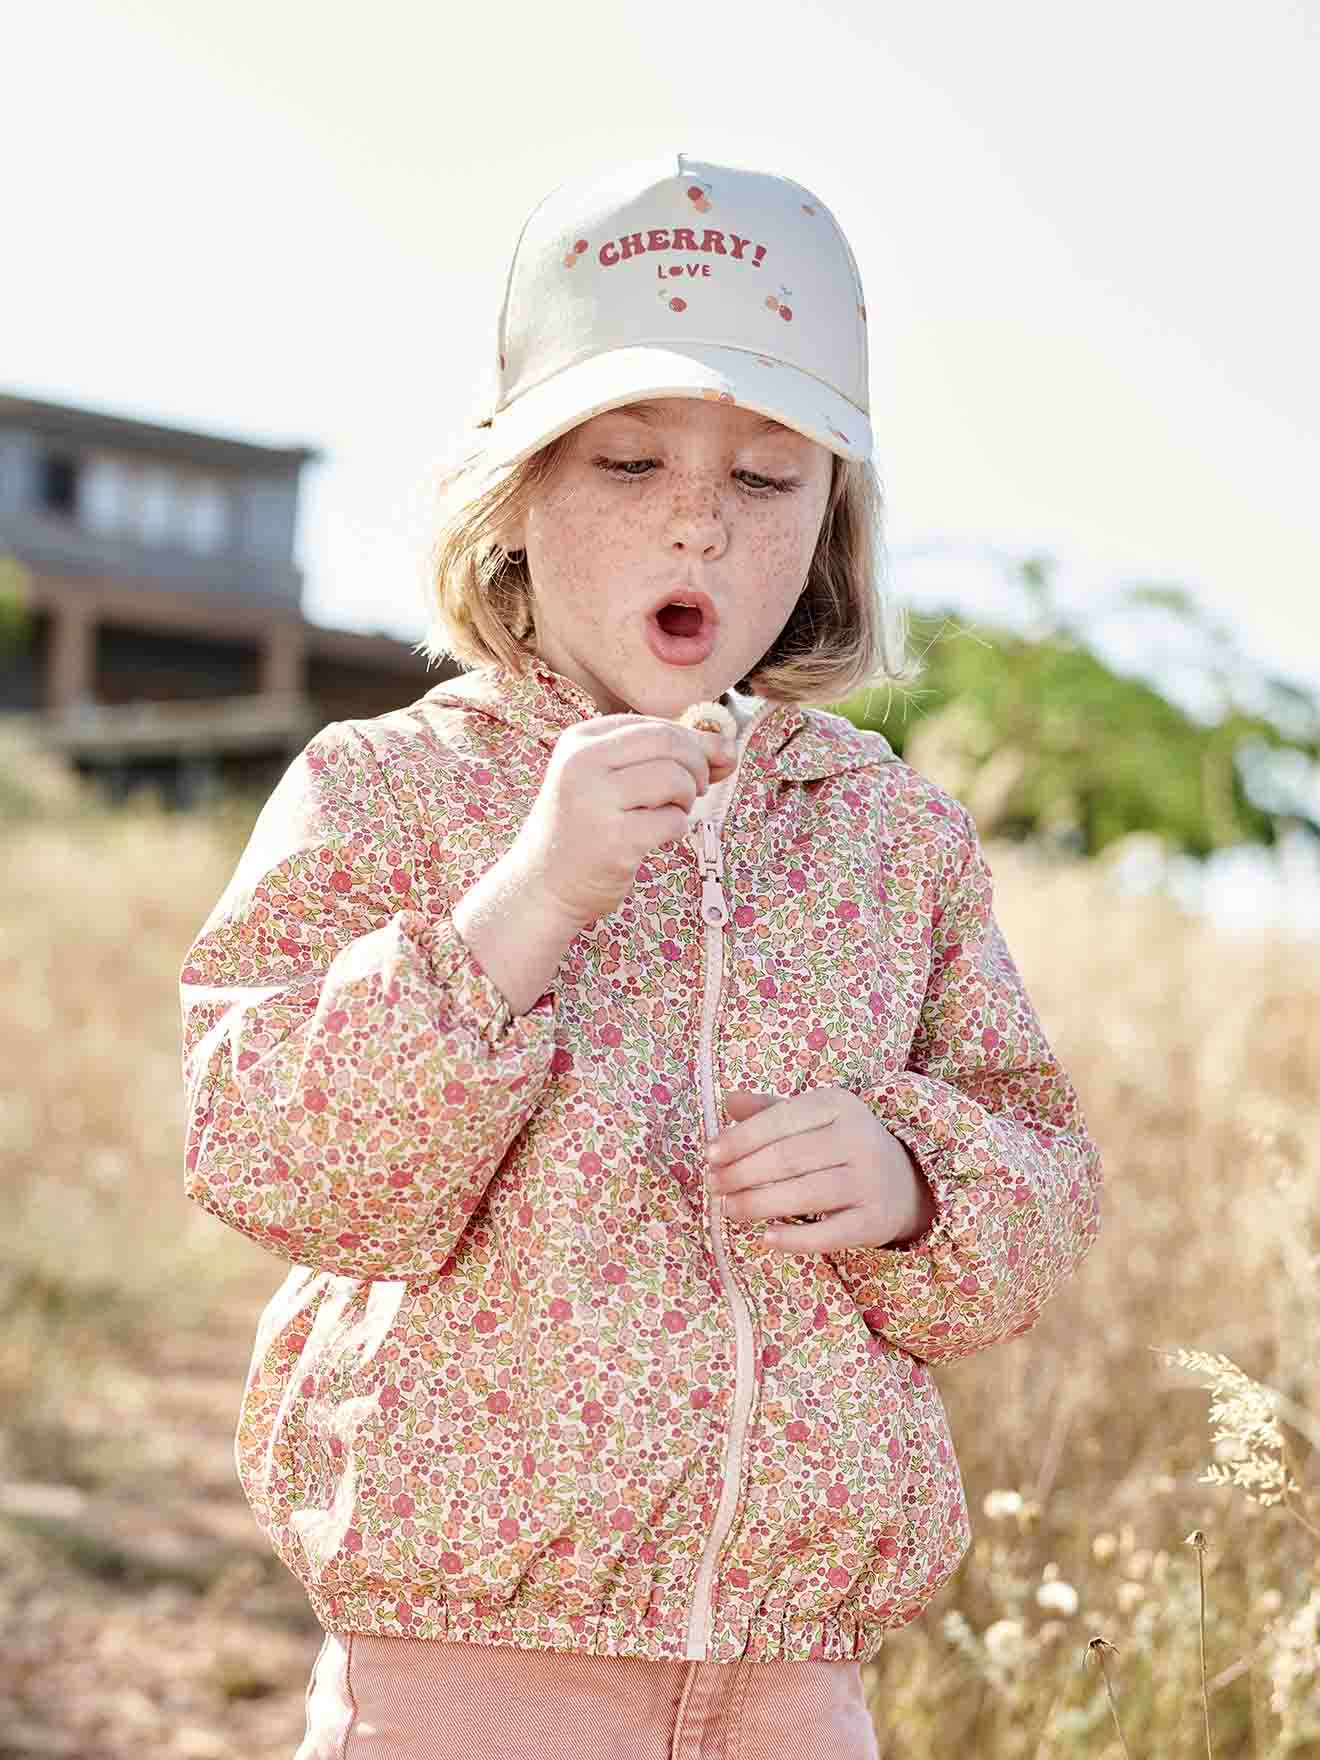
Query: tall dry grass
point(138, 1608)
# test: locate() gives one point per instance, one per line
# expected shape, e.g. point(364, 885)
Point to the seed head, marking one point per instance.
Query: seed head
point(709, 718)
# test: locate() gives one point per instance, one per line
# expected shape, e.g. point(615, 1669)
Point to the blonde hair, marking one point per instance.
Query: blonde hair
point(845, 632)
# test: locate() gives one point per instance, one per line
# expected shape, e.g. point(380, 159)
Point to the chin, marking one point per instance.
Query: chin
point(668, 700)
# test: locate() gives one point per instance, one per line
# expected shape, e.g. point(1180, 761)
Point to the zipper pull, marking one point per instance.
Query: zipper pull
point(714, 905)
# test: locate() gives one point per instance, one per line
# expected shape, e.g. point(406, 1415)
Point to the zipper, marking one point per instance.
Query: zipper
point(710, 865)
point(705, 840)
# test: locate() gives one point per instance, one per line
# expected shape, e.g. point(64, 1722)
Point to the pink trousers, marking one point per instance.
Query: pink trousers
point(415, 1699)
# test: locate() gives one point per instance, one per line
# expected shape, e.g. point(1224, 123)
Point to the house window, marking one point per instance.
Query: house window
point(57, 482)
point(102, 493)
point(155, 506)
point(152, 503)
point(204, 515)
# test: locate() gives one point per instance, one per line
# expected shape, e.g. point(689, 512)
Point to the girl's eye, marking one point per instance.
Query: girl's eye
point(763, 486)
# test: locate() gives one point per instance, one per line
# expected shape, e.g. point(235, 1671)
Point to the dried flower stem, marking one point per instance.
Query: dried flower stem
point(1197, 1539)
point(1099, 1647)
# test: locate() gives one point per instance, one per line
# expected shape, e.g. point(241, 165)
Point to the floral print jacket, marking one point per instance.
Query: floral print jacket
point(525, 1383)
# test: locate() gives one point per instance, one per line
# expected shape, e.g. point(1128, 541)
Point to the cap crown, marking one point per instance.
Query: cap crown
point(679, 252)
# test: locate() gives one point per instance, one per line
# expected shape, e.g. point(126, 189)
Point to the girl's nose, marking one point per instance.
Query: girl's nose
point(698, 527)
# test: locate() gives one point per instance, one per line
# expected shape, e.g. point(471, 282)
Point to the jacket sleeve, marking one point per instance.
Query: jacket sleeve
point(996, 1128)
point(353, 1076)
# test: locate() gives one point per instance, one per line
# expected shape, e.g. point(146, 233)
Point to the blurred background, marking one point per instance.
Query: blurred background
point(255, 259)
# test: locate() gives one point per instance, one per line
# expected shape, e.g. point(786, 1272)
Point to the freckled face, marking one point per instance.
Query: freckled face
point(693, 506)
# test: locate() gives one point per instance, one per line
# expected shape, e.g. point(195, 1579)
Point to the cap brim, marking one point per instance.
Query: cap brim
point(627, 375)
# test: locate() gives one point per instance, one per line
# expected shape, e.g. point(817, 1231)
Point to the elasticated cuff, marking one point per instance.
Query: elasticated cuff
point(475, 996)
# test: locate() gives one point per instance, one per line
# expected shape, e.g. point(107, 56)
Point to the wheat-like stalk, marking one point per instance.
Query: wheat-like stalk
point(1245, 1429)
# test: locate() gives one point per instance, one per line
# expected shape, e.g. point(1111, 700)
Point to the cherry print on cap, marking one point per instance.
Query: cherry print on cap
point(697, 195)
point(578, 250)
point(776, 304)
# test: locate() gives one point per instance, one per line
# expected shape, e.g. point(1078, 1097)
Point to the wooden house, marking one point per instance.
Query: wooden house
point(161, 636)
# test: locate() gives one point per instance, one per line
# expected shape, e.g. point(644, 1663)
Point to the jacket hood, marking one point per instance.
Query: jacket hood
point(794, 742)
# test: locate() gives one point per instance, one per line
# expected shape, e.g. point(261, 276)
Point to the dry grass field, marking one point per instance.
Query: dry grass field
point(142, 1615)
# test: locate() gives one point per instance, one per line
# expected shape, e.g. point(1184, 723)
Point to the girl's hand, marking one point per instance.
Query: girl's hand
point(821, 1151)
point(615, 788)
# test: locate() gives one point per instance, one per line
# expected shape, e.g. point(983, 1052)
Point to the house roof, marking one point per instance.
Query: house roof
point(77, 423)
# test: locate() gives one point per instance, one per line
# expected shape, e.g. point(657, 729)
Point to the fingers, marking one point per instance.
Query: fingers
point(791, 1158)
point(637, 739)
point(721, 754)
point(655, 782)
point(824, 1190)
point(777, 1126)
point(723, 761)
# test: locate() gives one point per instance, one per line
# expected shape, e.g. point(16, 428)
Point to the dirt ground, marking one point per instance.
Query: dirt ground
point(142, 1622)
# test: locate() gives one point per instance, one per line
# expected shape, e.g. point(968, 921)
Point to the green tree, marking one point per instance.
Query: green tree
point(1042, 738)
point(15, 618)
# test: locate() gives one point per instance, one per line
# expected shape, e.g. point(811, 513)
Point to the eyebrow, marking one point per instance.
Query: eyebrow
point(650, 413)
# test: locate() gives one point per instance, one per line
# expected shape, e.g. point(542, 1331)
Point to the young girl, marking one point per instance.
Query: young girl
point(529, 1009)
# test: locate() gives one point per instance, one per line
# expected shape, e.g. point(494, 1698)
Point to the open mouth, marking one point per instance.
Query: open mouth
point(681, 629)
point(676, 619)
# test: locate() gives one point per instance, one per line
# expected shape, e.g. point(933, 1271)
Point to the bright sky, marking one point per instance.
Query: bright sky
point(1086, 234)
